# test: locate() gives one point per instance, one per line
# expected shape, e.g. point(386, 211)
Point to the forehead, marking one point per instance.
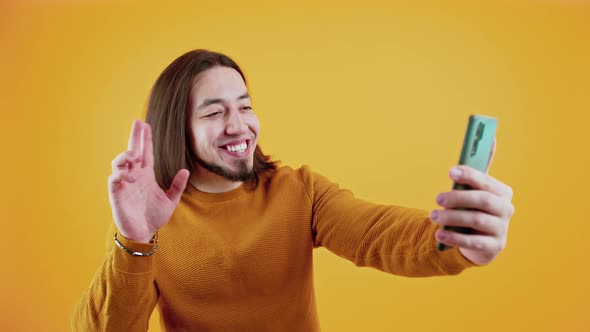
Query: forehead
point(218, 82)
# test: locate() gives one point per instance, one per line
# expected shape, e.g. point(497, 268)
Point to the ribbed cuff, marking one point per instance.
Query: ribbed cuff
point(453, 261)
point(127, 263)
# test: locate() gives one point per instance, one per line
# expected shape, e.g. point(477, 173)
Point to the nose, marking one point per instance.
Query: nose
point(235, 124)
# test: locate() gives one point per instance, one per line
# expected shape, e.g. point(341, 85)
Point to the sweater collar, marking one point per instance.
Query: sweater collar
point(214, 197)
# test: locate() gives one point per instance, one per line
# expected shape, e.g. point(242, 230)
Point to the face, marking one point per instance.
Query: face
point(222, 126)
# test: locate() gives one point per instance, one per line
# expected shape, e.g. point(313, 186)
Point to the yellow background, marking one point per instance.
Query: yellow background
point(373, 94)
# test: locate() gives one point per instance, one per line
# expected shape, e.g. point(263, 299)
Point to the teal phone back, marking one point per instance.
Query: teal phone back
point(478, 142)
point(477, 147)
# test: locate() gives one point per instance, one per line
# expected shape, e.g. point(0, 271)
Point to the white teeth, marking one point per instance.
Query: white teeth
point(237, 148)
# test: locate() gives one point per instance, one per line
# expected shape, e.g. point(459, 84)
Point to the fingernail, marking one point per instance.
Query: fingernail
point(443, 235)
point(440, 199)
point(456, 173)
point(434, 215)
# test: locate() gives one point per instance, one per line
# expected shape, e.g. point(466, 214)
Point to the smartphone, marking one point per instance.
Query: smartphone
point(477, 147)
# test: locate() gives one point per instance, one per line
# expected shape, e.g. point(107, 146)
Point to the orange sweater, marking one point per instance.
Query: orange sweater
point(242, 260)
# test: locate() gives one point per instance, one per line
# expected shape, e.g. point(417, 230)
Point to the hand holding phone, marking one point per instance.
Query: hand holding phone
point(476, 152)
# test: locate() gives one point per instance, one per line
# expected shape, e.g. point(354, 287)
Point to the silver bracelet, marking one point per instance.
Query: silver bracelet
point(137, 253)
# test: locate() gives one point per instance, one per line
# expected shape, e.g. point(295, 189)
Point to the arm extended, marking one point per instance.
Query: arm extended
point(393, 239)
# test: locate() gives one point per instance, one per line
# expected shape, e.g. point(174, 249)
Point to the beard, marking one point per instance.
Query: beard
point(244, 173)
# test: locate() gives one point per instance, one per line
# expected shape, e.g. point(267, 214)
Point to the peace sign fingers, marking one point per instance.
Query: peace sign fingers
point(140, 147)
point(147, 145)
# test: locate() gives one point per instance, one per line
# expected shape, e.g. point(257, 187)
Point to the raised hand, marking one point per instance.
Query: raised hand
point(140, 207)
point(488, 212)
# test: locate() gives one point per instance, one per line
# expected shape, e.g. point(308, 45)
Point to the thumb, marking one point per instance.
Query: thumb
point(178, 186)
point(492, 153)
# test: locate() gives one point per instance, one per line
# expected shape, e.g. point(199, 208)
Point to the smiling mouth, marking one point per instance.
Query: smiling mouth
point(237, 149)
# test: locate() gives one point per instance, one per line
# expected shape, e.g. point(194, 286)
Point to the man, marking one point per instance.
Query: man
point(232, 250)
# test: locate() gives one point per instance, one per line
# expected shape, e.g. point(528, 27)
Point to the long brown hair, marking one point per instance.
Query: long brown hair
point(167, 115)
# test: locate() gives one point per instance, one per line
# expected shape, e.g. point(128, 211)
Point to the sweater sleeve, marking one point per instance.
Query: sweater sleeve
point(393, 239)
point(122, 294)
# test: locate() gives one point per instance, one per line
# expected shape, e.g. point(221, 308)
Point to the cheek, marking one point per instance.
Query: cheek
point(253, 123)
point(200, 137)
point(191, 136)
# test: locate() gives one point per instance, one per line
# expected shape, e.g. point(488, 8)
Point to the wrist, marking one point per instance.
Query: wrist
point(137, 248)
point(140, 238)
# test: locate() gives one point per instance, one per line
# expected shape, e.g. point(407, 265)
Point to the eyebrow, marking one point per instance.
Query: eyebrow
point(208, 102)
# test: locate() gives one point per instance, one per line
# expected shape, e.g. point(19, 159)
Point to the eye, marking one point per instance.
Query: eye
point(248, 108)
point(212, 114)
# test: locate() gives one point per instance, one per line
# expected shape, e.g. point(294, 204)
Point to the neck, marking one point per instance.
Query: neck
point(205, 181)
